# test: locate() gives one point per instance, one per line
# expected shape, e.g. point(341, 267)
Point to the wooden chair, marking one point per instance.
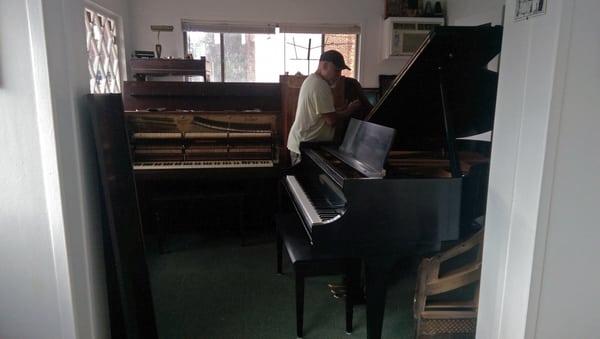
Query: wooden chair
point(448, 317)
point(305, 263)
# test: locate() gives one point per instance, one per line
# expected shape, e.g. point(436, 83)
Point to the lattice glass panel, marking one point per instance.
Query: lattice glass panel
point(103, 53)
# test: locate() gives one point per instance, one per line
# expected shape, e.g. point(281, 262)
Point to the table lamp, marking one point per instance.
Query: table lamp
point(158, 29)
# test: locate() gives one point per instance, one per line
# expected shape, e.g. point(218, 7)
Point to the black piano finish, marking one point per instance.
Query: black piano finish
point(418, 213)
point(410, 214)
point(379, 219)
point(443, 93)
point(455, 58)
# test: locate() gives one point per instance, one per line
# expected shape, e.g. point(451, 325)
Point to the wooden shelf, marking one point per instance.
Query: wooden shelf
point(142, 68)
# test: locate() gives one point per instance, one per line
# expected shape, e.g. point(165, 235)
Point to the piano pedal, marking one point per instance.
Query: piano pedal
point(338, 290)
point(340, 286)
point(338, 295)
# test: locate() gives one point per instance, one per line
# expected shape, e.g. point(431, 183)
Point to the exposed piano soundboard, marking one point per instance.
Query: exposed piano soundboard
point(180, 127)
point(180, 140)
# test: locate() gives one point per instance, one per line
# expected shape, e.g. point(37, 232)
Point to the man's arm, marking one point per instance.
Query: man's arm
point(332, 118)
point(365, 105)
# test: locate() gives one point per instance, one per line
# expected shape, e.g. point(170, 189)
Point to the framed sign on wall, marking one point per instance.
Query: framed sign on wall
point(529, 8)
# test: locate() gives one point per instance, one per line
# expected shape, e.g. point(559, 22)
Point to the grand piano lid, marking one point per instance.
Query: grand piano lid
point(456, 57)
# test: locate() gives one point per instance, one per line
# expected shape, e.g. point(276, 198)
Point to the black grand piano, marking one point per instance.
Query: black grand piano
point(405, 181)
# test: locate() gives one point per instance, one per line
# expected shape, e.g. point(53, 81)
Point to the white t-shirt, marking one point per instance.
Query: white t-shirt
point(315, 98)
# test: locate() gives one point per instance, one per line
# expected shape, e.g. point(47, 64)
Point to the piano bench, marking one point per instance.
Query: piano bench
point(290, 234)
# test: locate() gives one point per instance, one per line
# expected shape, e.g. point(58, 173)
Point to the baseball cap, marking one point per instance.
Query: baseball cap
point(335, 58)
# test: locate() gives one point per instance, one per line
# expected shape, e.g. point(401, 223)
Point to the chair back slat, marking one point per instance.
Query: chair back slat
point(449, 317)
point(454, 281)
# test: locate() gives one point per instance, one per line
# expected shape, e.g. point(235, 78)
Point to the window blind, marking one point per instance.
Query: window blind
point(262, 28)
point(227, 27)
point(319, 28)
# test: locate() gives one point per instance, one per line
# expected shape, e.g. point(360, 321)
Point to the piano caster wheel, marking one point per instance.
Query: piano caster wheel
point(348, 333)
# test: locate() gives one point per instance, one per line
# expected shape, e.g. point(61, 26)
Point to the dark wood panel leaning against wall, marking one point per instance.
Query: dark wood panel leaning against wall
point(129, 295)
point(215, 146)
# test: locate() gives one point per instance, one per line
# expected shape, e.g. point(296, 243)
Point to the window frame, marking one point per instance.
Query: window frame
point(222, 51)
point(356, 53)
point(119, 36)
point(222, 47)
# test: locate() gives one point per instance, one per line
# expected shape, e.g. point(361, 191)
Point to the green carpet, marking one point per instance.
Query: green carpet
point(214, 288)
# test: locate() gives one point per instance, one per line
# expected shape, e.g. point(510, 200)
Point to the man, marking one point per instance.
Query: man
point(325, 103)
point(346, 90)
point(316, 115)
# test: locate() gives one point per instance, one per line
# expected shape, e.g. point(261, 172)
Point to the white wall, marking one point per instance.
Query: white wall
point(68, 78)
point(474, 12)
point(49, 197)
point(33, 303)
point(525, 291)
point(366, 13)
point(568, 303)
point(539, 278)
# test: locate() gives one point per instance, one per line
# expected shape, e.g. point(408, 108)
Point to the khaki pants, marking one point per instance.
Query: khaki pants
point(294, 158)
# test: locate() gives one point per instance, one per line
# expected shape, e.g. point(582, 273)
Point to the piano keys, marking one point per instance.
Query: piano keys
point(401, 184)
point(202, 140)
point(207, 164)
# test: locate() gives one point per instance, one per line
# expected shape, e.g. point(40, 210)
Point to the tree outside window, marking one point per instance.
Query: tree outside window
point(248, 57)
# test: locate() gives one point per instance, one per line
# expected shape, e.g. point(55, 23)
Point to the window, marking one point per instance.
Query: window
point(206, 44)
point(263, 57)
point(103, 53)
point(345, 44)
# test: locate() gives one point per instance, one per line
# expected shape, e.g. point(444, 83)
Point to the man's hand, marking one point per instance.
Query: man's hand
point(332, 118)
point(353, 106)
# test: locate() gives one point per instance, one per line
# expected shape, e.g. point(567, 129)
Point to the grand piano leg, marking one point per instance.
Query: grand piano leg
point(376, 273)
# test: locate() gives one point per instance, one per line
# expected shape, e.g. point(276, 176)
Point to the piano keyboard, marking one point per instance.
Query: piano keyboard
point(175, 165)
point(314, 211)
point(224, 135)
point(201, 135)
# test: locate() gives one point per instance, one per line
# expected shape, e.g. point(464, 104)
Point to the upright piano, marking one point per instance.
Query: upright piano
point(191, 137)
point(404, 180)
point(188, 139)
point(191, 125)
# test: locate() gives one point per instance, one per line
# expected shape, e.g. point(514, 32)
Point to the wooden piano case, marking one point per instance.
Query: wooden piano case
point(232, 128)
